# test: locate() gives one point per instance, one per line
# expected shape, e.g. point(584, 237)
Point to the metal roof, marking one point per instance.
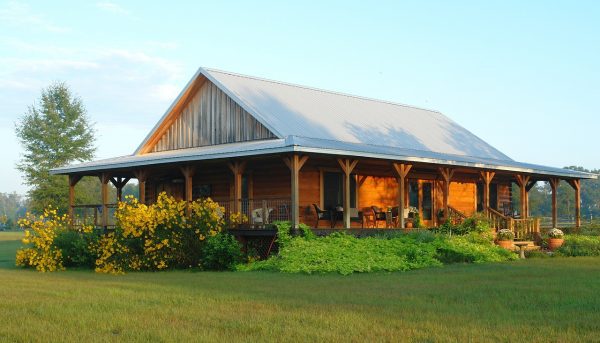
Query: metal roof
point(312, 145)
point(317, 121)
point(293, 110)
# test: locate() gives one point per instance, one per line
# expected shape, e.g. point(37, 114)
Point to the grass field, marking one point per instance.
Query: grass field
point(534, 300)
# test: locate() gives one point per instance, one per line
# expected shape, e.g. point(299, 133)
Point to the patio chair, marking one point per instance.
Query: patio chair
point(257, 216)
point(378, 215)
point(357, 216)
point(322, 215)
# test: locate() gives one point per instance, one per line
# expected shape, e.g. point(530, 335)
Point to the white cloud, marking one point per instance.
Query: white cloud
point(112, 7)
point(21, 15)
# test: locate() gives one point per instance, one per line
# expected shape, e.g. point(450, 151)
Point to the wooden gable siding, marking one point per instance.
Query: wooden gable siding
point(211, 117)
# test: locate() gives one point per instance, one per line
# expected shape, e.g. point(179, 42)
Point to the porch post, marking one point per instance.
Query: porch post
point(402, 171)
point(73, 179)
point(119, 183)
point(487, 177)
point(522, 180)
point(347, 166)
point(141, 176)
point(188, 174)
point(447, 174)
point(295, 163)
point(576, 184)
point(553, 181)
point(104, 179)
point(529, 186)
point(237, 168)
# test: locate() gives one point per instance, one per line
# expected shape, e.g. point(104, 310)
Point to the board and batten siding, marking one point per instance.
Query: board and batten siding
point(211, 117)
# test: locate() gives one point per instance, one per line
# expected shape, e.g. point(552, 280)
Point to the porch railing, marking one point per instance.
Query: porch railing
point(92, 215)
point(456, 217)
point(259, 212)
point(524, 228)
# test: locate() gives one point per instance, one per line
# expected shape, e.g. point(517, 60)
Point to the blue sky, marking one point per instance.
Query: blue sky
point(524, 76)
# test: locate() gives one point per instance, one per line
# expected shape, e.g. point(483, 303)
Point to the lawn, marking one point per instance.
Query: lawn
point(534, 300)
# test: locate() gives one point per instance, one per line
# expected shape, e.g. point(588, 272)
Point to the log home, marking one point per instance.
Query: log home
point(278, 151)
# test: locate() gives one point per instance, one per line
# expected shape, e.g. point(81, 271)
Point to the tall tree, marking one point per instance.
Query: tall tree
point(54, 132)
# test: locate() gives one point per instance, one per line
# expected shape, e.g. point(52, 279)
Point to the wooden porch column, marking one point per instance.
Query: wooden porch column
point(447, 174)
point(347, 166)
point(141, 176)
point(554, 181)
point(237, 168)
point(119, 183)
point(104, 179)
point(295, 163)
point(73, 179)
point(522, 181)
point(529, 186)
point(487, 177)
point(188, 174)
point(576, 184)
point(402, 171)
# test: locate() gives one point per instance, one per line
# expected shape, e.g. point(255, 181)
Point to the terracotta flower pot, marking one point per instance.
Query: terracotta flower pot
point(555, 243)
point(505, 244)
point(408, 225)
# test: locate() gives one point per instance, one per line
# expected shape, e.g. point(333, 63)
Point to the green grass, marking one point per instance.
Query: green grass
point(554, 299)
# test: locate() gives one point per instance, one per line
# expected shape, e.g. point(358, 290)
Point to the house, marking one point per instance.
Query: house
point(278, 151)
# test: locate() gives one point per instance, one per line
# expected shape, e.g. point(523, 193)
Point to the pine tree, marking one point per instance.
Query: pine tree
point(54, 132)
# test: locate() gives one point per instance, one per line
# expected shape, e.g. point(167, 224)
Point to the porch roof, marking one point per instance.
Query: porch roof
point(317, 146)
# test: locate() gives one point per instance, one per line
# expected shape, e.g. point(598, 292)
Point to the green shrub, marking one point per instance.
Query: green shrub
point(221, 252)
point(346, 254)
point(580, 245)
point(466, 249)
point(76, 248)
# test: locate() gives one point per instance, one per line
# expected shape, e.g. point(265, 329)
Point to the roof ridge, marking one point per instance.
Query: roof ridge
point(320, 90)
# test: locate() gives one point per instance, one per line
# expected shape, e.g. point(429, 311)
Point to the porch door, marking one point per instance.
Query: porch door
point(420, 196)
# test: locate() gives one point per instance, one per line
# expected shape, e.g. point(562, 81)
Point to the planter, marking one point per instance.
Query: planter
point(408, 224)
point(505, 244)
point(555, 243)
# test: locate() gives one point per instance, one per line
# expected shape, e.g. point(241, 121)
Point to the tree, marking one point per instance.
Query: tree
point(54, 132)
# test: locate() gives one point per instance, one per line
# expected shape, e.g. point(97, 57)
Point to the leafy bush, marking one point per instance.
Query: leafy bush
point(579, 245)
point(41, 237)
point(469, 249)
point(346, 254)
point(166, 234)
point(476, 223)
point(76, 248)
point(221, 252)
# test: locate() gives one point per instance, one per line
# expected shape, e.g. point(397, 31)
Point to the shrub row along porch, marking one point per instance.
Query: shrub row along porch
point(317, 189)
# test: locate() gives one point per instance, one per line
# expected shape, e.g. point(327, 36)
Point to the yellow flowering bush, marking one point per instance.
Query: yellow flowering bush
point(52, 243)
point(40, 233)
point(167, 234)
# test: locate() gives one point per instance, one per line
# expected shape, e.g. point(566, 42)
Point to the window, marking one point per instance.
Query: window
point(333, 190)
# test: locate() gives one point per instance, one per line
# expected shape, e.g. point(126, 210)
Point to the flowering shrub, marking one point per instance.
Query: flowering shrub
point(555, 233)
point(46, 247)
point(166, 234)
point(505, 235)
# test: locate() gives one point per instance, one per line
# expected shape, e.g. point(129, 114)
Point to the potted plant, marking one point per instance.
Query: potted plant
point(504, 238)
point(413, 216)
point(555, 239)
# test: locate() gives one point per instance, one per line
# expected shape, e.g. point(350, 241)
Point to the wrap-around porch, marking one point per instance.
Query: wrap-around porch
point(329, 192)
